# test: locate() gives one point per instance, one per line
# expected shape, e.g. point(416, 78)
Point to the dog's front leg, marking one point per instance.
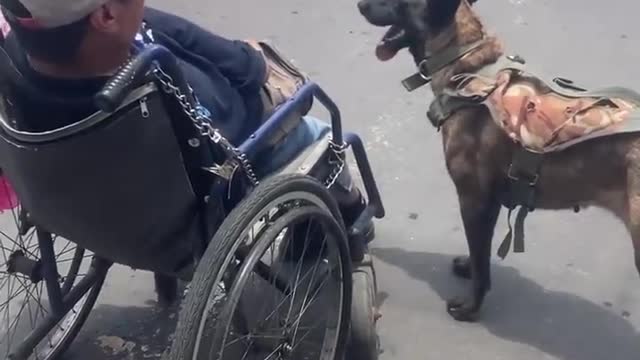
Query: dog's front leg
point(479, 210)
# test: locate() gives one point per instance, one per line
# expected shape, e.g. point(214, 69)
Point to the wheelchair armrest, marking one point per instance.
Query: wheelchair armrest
point(135, 71)
point(261, 137)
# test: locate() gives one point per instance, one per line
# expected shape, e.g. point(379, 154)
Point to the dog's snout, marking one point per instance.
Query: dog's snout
point(364, 6)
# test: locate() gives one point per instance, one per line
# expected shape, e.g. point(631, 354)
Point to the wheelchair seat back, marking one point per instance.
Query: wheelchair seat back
point(115, 184)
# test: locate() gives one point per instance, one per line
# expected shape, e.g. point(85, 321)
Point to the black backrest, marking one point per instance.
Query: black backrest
point(116, 184)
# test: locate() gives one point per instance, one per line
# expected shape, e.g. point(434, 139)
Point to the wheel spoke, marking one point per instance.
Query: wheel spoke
point(6, 303)
point(302, 338)
point(278, 348)
point(246, 352)
point(42, 309)
point(288, 296)
point(299, 269)
point(9, 297)
point(307, 306)
point(66, 251)
point(28, 306)
point(4, 282)
point(15, 245)
point(14, 323)
point(4, 253)
point(71, 259)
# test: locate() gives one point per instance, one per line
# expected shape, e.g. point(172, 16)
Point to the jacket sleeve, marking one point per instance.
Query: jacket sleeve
point(242, 65)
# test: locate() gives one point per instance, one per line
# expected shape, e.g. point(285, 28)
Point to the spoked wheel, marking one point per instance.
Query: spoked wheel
point(23, 292)
point(275, 283)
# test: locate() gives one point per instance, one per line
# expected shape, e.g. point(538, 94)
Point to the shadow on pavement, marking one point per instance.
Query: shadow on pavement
point(520, 310)
point(119, 333)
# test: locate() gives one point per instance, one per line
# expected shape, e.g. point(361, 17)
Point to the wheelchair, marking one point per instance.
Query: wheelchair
point(272, 270)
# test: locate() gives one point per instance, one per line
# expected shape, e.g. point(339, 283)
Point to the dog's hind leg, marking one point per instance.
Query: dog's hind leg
point(479, 215)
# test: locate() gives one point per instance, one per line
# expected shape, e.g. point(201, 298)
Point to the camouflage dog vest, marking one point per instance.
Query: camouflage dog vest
point(541, 115)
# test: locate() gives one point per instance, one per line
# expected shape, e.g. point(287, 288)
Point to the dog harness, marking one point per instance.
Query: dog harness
point(542, 115)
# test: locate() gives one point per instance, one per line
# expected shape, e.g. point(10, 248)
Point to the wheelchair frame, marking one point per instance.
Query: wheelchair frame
point(63, 298)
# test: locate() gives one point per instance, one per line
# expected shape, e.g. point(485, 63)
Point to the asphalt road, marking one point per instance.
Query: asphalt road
point(573, 295)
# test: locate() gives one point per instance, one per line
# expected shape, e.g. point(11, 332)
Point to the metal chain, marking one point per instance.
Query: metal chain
point(203, 123)
point(338, 162)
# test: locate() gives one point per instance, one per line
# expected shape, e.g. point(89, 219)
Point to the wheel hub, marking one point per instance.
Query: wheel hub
point(18, 263)
point(286, 350)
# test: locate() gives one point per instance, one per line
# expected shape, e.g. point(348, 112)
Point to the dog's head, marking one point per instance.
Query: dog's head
point(411, 22)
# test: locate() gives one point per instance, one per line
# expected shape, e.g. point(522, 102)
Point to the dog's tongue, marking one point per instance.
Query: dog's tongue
point(390, 44)
point(385, 52)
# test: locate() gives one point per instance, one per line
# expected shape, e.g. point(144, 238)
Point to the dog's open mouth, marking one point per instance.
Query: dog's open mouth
point(394, 40)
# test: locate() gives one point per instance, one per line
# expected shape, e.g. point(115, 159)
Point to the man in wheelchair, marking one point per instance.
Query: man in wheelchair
point(72, 47)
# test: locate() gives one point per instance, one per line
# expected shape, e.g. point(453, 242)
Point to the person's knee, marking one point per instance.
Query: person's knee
point(308, 131)
point(314, 128)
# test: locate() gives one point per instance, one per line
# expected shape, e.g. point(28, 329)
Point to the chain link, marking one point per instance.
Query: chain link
point(203, 123)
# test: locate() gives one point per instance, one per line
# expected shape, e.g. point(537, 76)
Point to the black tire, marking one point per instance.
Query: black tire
point(221, 252)
point(363, 339)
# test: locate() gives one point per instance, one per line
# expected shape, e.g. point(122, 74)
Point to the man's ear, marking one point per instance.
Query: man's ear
point(441, 13)
point(104, 18)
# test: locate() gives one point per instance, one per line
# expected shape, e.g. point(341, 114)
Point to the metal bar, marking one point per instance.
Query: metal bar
point(357, 244)
point(94, 277)
point(50, 271)
point(360, 154)
point(256, 141)
point(78, 256)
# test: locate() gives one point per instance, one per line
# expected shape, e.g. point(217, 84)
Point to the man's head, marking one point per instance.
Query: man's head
point(57, 31)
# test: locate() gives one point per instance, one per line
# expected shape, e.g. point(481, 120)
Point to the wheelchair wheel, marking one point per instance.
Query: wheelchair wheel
point(363, 340)
point(23, 304)
point(252, 299)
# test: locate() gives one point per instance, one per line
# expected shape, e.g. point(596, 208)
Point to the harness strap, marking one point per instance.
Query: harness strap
point(450, 99)
point(523, 175)
point(434, 63)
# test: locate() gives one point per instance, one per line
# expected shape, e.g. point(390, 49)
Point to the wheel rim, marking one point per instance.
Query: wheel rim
point(263, 221)
point(23, 303)
point(283, 325)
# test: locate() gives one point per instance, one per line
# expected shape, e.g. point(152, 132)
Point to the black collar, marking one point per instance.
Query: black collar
point(431, 64)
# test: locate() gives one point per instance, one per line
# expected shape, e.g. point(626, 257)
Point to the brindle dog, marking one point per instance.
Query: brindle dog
point(604, 172)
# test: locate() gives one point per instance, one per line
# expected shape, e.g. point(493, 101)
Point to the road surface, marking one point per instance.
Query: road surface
point(574, 295)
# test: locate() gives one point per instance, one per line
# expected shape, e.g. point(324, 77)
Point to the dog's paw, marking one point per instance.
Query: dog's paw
point(462, 309)
point(462, 267)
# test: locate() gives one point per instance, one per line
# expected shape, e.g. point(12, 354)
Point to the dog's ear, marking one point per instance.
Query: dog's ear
point(441, 13)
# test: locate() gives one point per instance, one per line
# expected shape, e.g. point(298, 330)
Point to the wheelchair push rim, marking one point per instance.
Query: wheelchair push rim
point(221, 305)
point(23, 296)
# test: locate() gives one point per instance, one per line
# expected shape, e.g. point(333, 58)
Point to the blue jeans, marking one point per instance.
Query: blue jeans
point(309, 131)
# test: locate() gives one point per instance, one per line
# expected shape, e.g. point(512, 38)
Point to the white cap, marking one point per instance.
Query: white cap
point(54, 13)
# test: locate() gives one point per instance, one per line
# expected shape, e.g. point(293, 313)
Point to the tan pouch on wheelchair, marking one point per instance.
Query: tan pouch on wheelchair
point(282, 81)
